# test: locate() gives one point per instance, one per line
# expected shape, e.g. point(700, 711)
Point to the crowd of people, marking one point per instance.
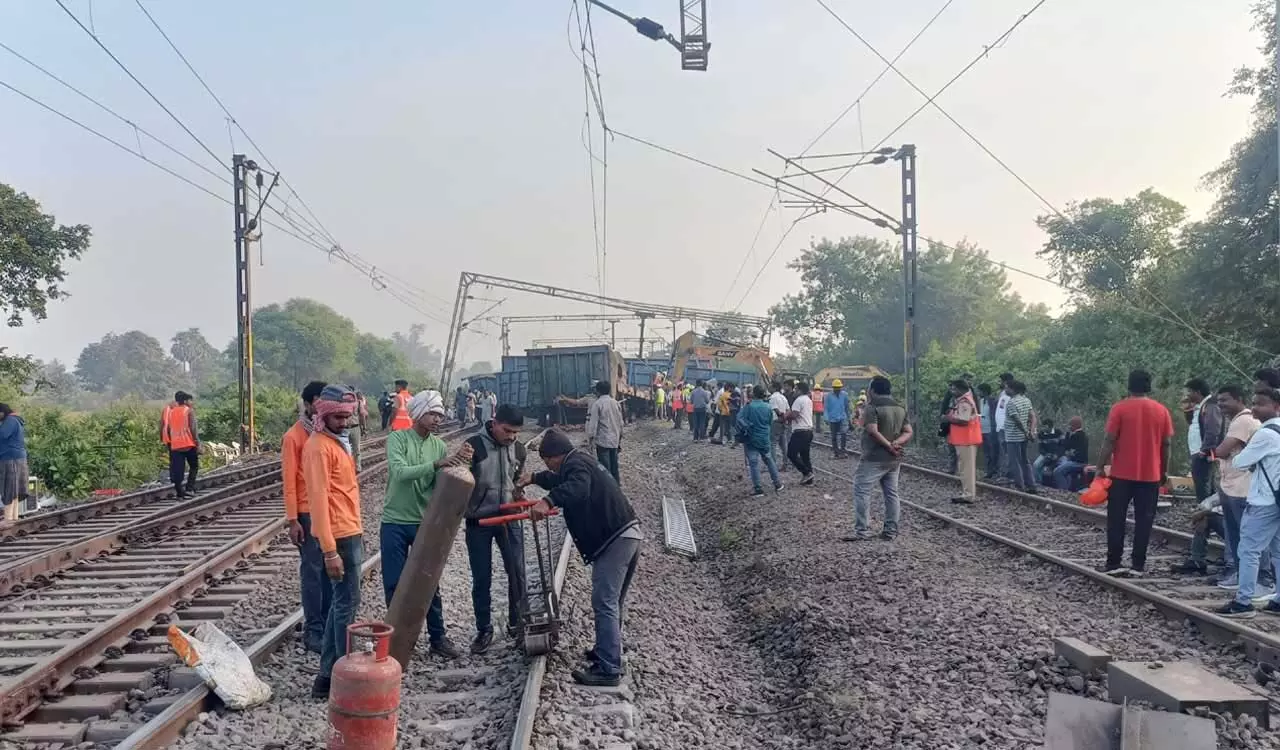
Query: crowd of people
point(322, 506)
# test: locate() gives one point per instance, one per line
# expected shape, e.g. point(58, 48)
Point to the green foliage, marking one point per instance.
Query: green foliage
point(33, 250)
point(275, 411)
point(115, 448)
point(302, 340)
point(131, 364)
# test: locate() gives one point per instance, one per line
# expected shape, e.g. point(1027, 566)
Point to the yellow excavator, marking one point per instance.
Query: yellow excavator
point(854, 378)
point(705, 357)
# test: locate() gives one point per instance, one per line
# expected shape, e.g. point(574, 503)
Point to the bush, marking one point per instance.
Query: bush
point(115, 448)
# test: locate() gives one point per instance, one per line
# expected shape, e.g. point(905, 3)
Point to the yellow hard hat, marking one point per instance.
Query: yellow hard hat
point(837, 383)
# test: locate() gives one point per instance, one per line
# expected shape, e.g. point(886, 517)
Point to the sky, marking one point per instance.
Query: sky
point(432, 138)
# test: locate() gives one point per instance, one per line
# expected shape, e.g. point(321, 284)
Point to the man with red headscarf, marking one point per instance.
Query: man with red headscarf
point(333, 492)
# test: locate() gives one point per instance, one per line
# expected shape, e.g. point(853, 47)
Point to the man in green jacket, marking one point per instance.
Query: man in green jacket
point(414, 457)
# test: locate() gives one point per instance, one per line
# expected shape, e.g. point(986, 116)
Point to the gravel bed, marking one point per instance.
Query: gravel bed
point(294, 720)
point(937, 640)
point(690, 676)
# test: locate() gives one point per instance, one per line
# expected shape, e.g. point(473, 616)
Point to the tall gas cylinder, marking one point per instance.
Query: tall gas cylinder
point(364, 697)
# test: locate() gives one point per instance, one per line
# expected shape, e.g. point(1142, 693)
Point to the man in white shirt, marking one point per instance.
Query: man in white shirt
point(1260, 529)
point(778, 433)
point(801, 433)
point(1002, 407)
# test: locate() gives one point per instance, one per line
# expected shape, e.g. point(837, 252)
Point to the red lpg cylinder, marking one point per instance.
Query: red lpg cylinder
point(364, 697)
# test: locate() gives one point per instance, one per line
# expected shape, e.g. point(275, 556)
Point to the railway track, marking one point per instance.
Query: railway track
point(42, 545)
point(77, 646)
point(488, 696)
point(1075, 540)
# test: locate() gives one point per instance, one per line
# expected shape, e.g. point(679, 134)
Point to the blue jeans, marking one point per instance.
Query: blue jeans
point(864, 483)
point(1037, 470)
point(396, 539)
point(1067, 474)
point(754, 457)
point(346, 602)
point(480, 541)
point(839, 436)
point(611, 575)
point(1259, 531)
point(317, 595)
point(1019, 469)
point(991, 452)
point(1213, 524)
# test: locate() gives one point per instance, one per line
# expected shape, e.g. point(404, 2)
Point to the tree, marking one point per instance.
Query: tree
point(381, 363)
point(420, 356)
point(33, 250)
point(1106, 247)
point(303, 340)
point(205, 362)
point(129, 364)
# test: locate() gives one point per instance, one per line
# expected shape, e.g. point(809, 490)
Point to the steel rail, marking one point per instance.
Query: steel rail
point(522, 734)
point(1263, 647)
point(166, 727)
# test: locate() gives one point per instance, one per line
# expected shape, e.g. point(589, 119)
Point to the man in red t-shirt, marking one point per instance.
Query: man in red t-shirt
point(1135, 454)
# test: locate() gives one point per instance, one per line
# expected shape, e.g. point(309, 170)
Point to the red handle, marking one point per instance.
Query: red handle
point(499, 520)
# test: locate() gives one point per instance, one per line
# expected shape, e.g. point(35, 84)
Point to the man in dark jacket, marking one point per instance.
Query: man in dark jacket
point(1205, 429)
point(497, 461)
point(606, 532)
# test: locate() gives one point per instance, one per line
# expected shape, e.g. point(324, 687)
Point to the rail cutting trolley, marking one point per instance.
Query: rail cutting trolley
point(540, 608)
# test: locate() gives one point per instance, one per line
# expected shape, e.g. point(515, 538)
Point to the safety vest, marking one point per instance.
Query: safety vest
point(969, 433)
point(400, 412)
point(677, 400)
point(177, 428)
point(819, 404)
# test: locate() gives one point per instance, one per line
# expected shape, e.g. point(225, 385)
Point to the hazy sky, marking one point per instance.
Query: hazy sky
point(432, 138)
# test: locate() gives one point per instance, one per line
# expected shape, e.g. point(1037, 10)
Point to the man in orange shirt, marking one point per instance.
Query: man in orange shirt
point(333, 492)
point(400, 419)
point(178, 431)
point(1135, 454)
point(316, 594)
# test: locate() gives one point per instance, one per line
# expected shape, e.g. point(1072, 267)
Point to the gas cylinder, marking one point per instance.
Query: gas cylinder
point(364, 697)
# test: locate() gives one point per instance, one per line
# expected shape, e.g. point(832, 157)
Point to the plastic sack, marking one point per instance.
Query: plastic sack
point(1097, 492)
point(223, 665)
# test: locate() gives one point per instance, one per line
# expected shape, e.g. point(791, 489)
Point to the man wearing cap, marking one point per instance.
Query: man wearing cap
point(333, 493)
point(414, 456)
point(607, 534)
point(836, 408)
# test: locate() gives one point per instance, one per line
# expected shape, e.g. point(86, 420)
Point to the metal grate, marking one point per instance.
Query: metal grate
point(675, 527)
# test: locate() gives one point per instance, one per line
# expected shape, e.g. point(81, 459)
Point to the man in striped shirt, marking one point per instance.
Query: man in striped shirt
point(1018, 430)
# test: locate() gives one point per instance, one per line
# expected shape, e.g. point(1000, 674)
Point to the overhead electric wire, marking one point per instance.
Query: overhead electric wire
point(857, 103)
point(141, 85)
point(973, 253)
point(931, 101)
point(591, 93)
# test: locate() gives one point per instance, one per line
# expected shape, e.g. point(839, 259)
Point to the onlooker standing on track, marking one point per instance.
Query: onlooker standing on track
point(178, 431)
point(497, 462)
point(964, 437)
point(1075, 456)
point(1233, 483)
point(837, 411)
point(1135, 454)
point(1260, 529)
point(400, 419)
point(778, 432)
point(316, 592)
point(944, 429)
point(698, 401)
point(677, 406)
point(1001, 411)
point(1018, 431)
point(356, 427)
point(660, 402)
point(604, 429)
point(414, 458)
point(333, 494)
point(13, 462)
point(719, 409)
point(1204, 432)
point(607, 534)
point(885, 433)
point(801, 434)
point(990, 446)
point(819, 406)
point(756, 421)
point(384, 409)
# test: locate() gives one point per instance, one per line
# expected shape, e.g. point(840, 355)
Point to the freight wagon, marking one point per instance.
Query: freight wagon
point(513, 382)
point(569, 371)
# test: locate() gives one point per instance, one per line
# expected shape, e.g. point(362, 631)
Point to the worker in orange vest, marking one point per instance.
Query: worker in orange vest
point(819, 406)
point(178, 431)
point(965, 436)
point(400, 419)
point(677, 404)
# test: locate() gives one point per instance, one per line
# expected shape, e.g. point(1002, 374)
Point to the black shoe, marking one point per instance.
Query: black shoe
point(757, 492)
point(444, 647)
point(808, 480)
point(320, 689)
point(1191, 567)
point(513, 632)
point(482, 642)
point(887, 536)
point(962, 500)
point(1272, 608)
point(593, 677)
point(1237, 611)
point(590, 656)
